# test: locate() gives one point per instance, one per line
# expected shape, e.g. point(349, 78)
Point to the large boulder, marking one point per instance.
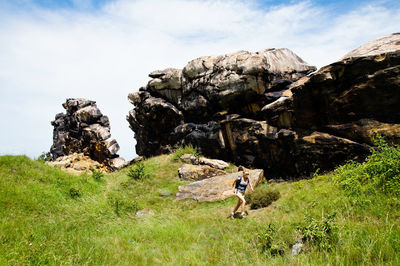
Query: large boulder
point(84, 129)
point(267, 110)
point(215, 188)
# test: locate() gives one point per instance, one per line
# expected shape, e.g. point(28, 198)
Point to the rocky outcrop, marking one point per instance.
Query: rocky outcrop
point(268, 110)
point(84, 129)
point(77, 163)
point(215, 188)
point(189, 103)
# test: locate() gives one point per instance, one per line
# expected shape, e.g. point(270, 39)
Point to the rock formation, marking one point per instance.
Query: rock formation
point(266, 110)
point(84, 129)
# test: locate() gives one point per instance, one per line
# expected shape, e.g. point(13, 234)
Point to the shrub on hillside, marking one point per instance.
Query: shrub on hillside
point(267, 242)
point(380, 171)
point(74, 193)
point(261, 198)
point(188, 149)
point(44, 157)
point(321, 233)
point(138, 171)
point(97, 175)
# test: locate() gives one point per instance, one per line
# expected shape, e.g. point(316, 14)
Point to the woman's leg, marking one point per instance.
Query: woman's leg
point(237, 205)
point(243, 201)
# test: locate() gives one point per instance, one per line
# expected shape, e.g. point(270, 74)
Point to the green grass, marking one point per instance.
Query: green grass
point(43, 222)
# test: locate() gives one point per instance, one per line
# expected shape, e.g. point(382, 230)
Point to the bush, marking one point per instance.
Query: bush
point(266, 241)
point(74, 193)
point(380, 171)
point(320, 233)
point(188, 149)
point(44, 157)
point(97, 175)
point(138, 171)
point(261, 198)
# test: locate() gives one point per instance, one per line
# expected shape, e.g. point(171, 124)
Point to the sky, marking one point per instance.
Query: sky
point(104, 49)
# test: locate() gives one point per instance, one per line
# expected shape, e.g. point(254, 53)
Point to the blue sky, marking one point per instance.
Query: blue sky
point(103, 50)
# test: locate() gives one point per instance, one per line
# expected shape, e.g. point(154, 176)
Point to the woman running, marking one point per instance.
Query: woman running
point(239, 188)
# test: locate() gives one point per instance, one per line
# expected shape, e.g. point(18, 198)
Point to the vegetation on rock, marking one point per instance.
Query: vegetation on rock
point(187, 149)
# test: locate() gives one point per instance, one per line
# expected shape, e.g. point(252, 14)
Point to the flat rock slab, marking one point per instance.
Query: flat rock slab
point(215, 188)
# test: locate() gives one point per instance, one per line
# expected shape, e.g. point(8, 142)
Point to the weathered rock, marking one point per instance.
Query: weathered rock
point(386, 44)
point(365, 130)
point(117, 163)
point(153, 120)
point(214, 163)
point(136, 160)
point(205, 87)
point(198, 172)
point(84, 129)
point(267, 110)
point(189, 158)
point(215, 188)
point(360, 86)
point(77, 163)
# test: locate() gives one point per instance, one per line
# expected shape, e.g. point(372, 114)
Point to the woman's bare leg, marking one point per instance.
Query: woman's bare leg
point(237, 205)
point(242, 200)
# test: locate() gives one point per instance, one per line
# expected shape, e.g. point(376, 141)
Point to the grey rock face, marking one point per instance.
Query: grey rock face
point(84, 129)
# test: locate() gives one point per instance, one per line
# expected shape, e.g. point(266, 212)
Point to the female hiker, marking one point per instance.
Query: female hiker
point(239, 188)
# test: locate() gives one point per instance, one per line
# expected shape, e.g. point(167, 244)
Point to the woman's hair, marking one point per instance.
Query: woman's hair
point(242, 168)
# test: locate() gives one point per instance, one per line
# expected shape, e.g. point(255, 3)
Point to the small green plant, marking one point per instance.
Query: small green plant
point(74, 193)
point(267, 242)
point(44, 157)
point(122, 204)
point(97, 175)
point(321, 233)
point(188, 149)
point(261, 198)
point(138, 171)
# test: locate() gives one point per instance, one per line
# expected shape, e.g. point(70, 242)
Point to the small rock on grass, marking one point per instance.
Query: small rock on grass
point(144, 212)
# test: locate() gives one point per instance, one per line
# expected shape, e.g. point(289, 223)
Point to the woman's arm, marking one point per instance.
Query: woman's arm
point(234, 182)
point(251, 186)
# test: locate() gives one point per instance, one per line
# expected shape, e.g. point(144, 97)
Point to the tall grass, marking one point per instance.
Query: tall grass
point(42, 222)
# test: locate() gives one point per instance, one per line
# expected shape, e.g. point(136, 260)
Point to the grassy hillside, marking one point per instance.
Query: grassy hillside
point(350, 216)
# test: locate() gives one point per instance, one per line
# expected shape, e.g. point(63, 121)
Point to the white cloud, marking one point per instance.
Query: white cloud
point(50, 55)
